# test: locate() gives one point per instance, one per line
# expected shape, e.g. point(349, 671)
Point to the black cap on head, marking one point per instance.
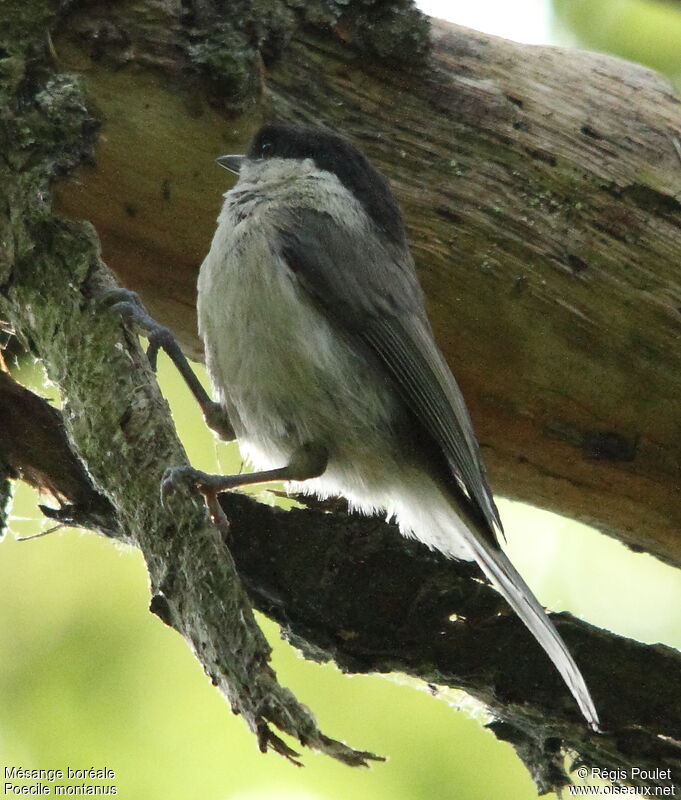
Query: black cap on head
point(334, 154)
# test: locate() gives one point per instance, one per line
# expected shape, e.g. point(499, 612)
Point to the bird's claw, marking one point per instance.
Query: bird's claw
point(160, 338)
point(184, 477)
point(177, 478)
point(122, 301)
point(129, 305)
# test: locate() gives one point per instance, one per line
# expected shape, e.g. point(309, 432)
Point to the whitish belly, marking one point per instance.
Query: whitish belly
point(288, 377)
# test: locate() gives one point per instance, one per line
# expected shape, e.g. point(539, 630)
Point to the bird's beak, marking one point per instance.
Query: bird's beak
point(232, 163)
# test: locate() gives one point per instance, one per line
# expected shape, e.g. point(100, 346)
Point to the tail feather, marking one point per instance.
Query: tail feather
point(427, 508)
point(501, 572)
point(506, 579)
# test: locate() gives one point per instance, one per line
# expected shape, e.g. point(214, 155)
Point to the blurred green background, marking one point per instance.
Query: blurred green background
point(646, 31)
point(88, 678)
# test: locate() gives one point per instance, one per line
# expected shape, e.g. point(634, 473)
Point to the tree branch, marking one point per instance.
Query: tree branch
point(122, 430)
point(35, 448)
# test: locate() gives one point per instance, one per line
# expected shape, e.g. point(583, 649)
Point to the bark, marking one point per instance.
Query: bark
point(540, 188)
point(34, 447)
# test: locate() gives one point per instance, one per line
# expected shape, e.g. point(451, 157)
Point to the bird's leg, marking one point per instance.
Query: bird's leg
point(308, 461)
point(129, 306)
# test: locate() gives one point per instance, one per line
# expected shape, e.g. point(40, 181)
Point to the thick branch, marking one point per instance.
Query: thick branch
point(373, 602)
point(34, 447)
point(542, 194)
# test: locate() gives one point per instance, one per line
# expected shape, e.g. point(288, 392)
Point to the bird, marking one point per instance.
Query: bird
point(320, 351)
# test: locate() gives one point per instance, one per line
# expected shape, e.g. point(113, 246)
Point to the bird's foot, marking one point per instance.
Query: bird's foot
point(186, 477)
point(130, 306)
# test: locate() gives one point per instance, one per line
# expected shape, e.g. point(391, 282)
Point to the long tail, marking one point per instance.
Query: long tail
point(519, 596)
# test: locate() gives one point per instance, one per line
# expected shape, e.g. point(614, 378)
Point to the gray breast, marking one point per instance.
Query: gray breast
point(283, 371)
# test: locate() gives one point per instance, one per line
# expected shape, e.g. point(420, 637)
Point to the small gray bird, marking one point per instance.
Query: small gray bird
point(319, 349)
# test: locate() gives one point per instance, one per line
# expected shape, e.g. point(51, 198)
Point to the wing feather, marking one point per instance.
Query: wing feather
point(409, 352)
point(373, 294)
